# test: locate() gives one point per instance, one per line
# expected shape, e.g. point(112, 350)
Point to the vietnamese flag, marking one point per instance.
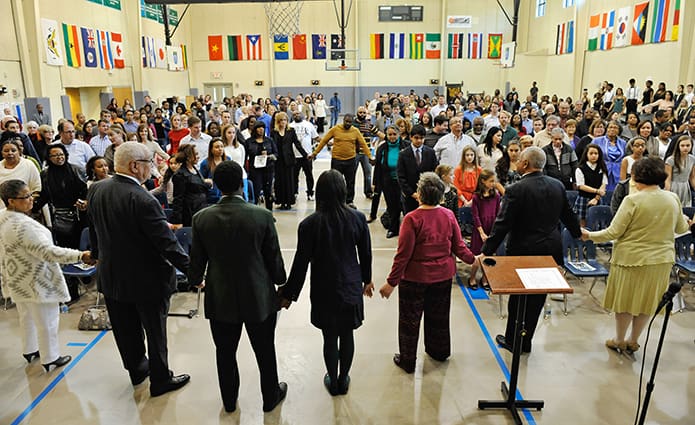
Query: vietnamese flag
point(299, 46)
point(215, 47)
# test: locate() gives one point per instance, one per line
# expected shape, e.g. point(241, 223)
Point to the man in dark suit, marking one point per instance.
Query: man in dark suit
point(137, 253)
point(530, 213)
point(238, 244)
point(412, 161)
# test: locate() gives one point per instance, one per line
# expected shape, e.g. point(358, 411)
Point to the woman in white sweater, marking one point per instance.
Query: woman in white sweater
point(13, 166)
point(31, 274)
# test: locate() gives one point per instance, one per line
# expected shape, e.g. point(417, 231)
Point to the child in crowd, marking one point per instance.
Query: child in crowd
point(679, 168)
point(637, 146)
point(97, 169)
point(591, 178)
point(166, 186)
point(466, 176)
point(450, 201)
point(485, 206)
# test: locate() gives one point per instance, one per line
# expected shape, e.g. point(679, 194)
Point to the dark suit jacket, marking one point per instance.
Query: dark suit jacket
point(409, 172)
point(190, 196)
point(530, 213)
point(238, 243)
point(131, 239)
point(340, 254)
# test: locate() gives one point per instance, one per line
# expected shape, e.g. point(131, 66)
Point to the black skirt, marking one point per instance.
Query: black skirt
point(339, 315)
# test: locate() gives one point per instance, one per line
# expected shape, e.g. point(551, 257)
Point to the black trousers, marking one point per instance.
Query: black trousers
point(262, 337)
point(131, 322)
point(262, 179)
point(392, 194)
point(348, 168)
point(409, 203)
point(306, 166)
point(534, 307)
point(631, 106)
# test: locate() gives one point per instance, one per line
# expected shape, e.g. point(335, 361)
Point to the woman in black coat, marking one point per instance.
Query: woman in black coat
point(190, 189)
point(285, 138)
point(386, 176)
point(335, 240)
point(262, 169)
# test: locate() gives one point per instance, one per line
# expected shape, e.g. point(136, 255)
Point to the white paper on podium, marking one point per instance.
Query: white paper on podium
point(542, 278)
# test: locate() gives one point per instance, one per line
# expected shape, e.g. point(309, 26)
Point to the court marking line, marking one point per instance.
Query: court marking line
point(492, 345)
point(58, 378)
point(77, 344)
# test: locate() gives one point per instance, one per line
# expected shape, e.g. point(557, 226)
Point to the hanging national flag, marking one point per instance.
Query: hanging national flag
point(105, 56)
point(607, 25)
point(72, 46)
point(299, 46)
point(455, 50)
point(174, 59)
point(569, 37)
point(281, 47)
point(143, 52)
point(560, 38)
point(337, 43)
point(475, 45)
point(253, 47)
point(151, 53)
point(117, 50)
point(416, 45)
point(622, 28)
point(235, 48)
point(639, 23)
point(89, 44)
point(397, 45)
point(433, 45)
point(676, 21)
point(494, 46)
point(594, 25)
point(659, 21)
point(161, 52)
point(51, 42)
point(215, 47)
point(184, 56)
point(318, 46)
point(376, 46)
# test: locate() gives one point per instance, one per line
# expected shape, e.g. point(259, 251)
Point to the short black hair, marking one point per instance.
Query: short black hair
point(650, 171)
point(228, 177)
point(440, 119)
point(418, 130)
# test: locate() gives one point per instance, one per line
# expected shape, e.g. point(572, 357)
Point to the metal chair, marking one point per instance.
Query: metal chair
point(685, 262)
point(579, 258)
point(185, 239)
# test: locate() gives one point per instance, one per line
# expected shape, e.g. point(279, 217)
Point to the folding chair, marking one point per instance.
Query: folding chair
point(183, 235)
point(579, 258)
point(685, 262)
point(80, 271)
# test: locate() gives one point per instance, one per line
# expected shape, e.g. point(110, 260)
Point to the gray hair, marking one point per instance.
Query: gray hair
point(10, 189)
point(553, 118)
point(430, 188)
point(535, 157)
point(128, 152)
point(557, 131)
point(31, 124)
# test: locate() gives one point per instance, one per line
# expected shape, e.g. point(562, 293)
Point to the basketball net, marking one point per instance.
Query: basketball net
point(283, 16)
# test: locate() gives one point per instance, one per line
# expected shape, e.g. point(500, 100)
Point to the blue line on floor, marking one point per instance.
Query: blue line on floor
point(58, 378)
point(76, 344)
point(493, 346)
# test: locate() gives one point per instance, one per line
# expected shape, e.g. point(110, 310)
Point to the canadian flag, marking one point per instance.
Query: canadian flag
point(117, 50)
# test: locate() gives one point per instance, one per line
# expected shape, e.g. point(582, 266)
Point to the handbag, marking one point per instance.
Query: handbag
point(65, 221)
point(95, 318)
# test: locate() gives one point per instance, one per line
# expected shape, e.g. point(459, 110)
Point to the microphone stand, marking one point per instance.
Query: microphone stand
point(650, 383)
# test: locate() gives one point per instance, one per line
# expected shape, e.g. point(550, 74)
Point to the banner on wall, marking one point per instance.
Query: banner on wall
point(639, 23)
point(455, 50)
point(72, 46)
point(174, 58)
point(433, 45)
point(416, 45)
point(117, 50)
point(105, 56)
point(659, 21)
point(622, 28)
point(376, 46)
point(160, 51)
point(508, 53)
point(89, 45)
point(281, 47)
point(235, 48)
point(564, 38)
point(457, 21)
point(675, 23)
point(475, 45)
point(397, 45)
point(51, 42)
point(215, 47)
point(607, 28)
point(253, 47)
point(594, 23)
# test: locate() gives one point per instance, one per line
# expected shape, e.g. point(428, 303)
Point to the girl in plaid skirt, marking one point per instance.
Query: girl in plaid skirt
point(591, 178)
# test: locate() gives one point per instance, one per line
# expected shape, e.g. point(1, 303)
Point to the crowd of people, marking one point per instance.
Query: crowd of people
point(477, 165)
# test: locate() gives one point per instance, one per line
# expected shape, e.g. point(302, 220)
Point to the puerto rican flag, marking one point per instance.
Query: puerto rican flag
point(253, 47)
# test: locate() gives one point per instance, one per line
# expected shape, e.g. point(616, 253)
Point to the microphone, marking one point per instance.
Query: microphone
point(673, 289)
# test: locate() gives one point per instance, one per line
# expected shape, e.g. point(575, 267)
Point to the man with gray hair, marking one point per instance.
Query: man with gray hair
point(543, 138)
point(137, 253)
point(561, 161)
point(530, 213)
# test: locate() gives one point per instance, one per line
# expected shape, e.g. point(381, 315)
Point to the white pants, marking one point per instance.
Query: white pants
point(39, 323)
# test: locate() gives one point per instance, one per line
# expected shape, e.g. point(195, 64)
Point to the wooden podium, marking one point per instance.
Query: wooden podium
point(504, 280)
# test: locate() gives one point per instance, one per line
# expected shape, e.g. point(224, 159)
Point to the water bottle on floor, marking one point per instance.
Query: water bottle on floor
point(547, 311)
point(64, 308)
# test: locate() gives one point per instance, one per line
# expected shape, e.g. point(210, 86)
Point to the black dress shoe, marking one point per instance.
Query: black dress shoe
point(230, 409)
point(371, 219)
point(174, 383)
point(31, 356)
point(331, 386)
point(282, 392)
point(391, 234)
point(397, 362)
point(139, 377)
point(502, 342)
point(343, 385)
point(60, 361)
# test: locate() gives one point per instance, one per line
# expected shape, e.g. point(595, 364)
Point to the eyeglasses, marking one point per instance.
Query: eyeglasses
point(57, 155)
point(24, 197)
point(148, 161)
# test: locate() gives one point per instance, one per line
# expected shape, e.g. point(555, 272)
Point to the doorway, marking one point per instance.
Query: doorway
point(219, 91)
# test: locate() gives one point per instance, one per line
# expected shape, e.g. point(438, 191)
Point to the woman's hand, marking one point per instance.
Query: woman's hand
point(585, 234)
point(87, 258)
point(208, 182)
point(592, 202)
point(81, 205)
point(386, 290)
point(602, 191)
point(368, 290)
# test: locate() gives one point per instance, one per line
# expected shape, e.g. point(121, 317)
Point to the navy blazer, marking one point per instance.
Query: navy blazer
point(530, 213)
point(409, 172)
point(131, 239)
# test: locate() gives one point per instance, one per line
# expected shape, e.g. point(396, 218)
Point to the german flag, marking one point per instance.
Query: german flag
point(376, 46)
point(72, 45)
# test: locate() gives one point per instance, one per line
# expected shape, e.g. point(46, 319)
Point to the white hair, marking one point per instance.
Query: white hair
point(535, 157)
point(128, 152)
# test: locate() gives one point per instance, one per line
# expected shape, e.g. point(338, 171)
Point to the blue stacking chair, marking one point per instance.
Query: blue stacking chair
point(168, 212)
point(606, 200)
point(689, 211)
point(185, 238)
point(599, 217)
point(685, 261)
point(578, 251)
point(572, 197)
point(82, 273)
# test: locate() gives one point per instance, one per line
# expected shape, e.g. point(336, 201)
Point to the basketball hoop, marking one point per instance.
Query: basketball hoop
point(283, 16)
point(342, 67)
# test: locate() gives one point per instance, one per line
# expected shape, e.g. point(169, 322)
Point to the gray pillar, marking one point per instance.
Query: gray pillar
point(139, 98)
point(67, 109)
point(30, 107)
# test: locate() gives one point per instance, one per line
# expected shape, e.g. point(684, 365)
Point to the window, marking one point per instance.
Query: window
point(567, 3)
point(540, 8)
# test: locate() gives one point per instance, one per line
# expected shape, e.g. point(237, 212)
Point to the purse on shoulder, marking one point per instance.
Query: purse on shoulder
point(95, 318)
